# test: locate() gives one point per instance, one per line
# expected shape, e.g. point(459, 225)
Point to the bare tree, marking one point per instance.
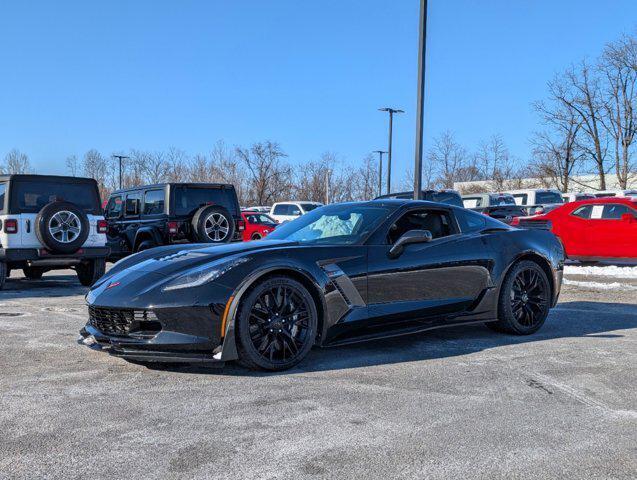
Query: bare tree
point(618, 67)
point(73, 165)
point(579, 89)
point(364, 184)
point(448, 157)
point(494, 162)
point(94, 165)
point(269, 176)
point(16, 162)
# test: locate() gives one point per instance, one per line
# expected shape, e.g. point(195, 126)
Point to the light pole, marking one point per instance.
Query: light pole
point(391, 123)
point(380, 171)
point(327, 186)
point(422, 42)
point(120, 158)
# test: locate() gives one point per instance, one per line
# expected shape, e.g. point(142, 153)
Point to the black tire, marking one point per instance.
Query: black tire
point(33, 273)
point(46, 220)
point(276, 325)
point(256, 236)
point(145, 245)
point(90, 271)
point(4, 273)
point(524, 302)
point(213, 224)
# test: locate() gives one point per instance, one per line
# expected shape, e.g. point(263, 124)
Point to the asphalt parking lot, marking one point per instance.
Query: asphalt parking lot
point(457, 403)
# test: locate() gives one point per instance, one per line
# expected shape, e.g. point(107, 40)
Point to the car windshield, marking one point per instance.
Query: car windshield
point(498, 200)
point(342, 224)
point(30, 196)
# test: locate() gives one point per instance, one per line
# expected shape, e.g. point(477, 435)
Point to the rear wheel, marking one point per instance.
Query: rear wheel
point(89, 272)
point(276, 325)
point(33, 273)
point(524, 300)
point(145, 245)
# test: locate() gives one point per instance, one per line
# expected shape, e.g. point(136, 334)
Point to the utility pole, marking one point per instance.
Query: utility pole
point(422, 42)
point(380, 171)
point(120, 158)
point(391, 123)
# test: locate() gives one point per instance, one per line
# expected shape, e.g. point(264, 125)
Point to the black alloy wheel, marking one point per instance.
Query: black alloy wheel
point(276, 325)
point(525, 298)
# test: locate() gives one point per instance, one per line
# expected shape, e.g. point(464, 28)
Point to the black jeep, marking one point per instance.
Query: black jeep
point(51, 222)
point(149, 216)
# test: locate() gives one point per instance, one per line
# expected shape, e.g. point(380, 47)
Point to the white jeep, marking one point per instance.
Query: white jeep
point(51, 222)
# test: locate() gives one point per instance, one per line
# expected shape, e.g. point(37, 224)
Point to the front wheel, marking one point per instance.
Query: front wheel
point(524, 299)
point(89, 272)
point(276, 324)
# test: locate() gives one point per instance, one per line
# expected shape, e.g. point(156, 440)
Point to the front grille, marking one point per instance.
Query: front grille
point(116, 321)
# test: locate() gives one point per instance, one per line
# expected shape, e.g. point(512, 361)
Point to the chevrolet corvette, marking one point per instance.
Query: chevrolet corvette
point(342, 273)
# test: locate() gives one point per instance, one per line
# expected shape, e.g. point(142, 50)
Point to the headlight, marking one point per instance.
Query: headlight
point(203, 274)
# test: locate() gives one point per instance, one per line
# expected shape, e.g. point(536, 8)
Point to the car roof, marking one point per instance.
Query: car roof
point(296, 201)
point(173, 184)
point(34, 177)
point(625, 200)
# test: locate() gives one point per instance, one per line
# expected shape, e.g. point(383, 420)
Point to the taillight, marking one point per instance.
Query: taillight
point(102, 226)
point(241, 225)
point(10, 225)
point(173, 228)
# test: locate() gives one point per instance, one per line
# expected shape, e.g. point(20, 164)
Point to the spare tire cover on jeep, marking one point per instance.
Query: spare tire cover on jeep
point(62, 227)
point(213, 224)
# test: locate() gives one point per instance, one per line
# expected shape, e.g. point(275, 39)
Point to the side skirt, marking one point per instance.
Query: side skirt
point(398, 332)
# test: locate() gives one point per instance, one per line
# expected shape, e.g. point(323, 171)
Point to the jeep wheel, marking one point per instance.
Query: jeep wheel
point(89, 272)
point(213, 224)
point(61, 227)
point(33, 273)
point(145, 245)
point(3, 274)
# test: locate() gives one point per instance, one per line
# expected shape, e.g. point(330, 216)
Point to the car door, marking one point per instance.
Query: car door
point(613, 234)
point(130, 223)
point(437, 279)
point(113, 215)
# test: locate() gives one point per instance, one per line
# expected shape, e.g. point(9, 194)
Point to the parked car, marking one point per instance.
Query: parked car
point(448, 196)
point(576, 196)
point(261, 208)
point(500, 206)
point(51, 222)
point(592, 230)
point(286, 211)
point(343, 273)
point(257, 225)
point(537, 200)
point(144, 217)
point(616, 193)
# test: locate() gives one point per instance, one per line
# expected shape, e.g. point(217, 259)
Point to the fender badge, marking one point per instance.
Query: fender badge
point(111, 285)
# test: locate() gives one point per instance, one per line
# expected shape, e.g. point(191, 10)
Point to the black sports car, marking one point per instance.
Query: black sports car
point(341, 273)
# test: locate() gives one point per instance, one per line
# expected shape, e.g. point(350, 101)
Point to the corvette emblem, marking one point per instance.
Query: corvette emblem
point(111, 285)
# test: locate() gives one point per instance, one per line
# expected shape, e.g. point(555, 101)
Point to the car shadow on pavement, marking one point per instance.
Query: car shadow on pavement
point(568, 320)
point(51, 285)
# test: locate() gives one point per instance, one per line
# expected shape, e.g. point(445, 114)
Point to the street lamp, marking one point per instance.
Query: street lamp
point(380, 171)
point(391, 122)
point(422, 42)
point(120, 158)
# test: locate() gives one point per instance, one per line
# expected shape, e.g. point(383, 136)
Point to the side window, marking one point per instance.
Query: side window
point(583, 212)
point(154, 202)
point(3, 191)
point(472, 202)
point(520, 198)
point(282, 209)
point(438, 222)
point(471, 221)
point(614, 212)
point(114, 207)
point(132, 204)
point(294, 210)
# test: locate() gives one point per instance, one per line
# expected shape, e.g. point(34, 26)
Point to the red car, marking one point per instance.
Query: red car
point(594, 229)
point(258, 225)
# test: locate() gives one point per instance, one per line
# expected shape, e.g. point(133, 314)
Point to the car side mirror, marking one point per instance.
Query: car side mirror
point(628, 217)
point(412, 236)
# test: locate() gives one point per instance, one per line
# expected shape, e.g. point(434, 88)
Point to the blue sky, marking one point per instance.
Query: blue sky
point(115, 75)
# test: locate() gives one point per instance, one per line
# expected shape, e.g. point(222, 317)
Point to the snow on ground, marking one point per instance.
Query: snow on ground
point(599, 285)
point(602, 271)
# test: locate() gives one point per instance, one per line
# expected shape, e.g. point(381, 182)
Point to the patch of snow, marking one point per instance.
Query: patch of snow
point(602, 271)
point(599, 285)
